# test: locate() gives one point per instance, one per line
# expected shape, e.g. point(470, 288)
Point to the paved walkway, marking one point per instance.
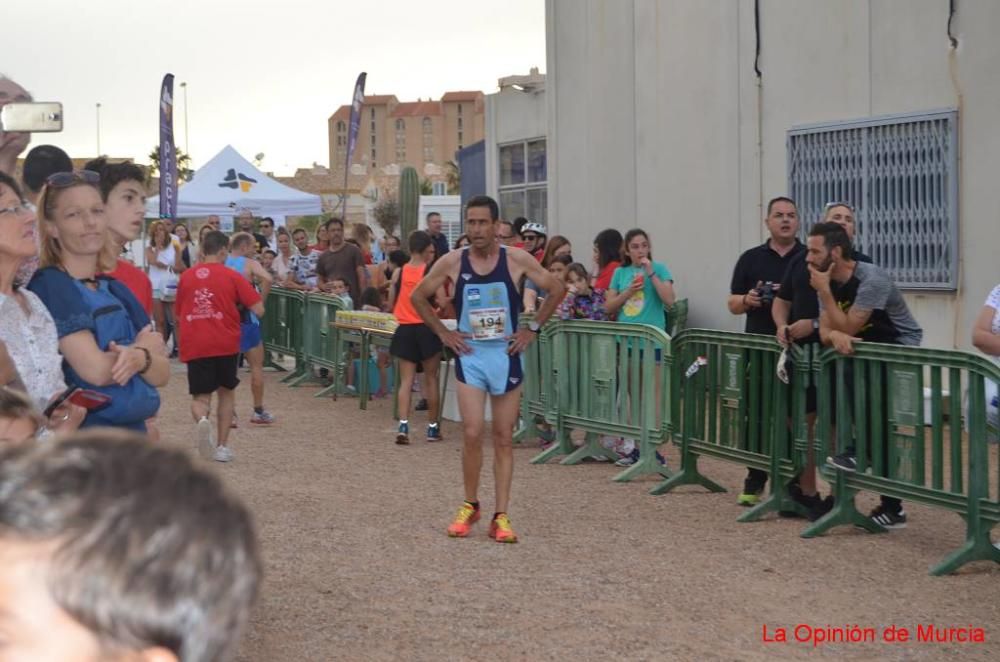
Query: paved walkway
point(359, 567)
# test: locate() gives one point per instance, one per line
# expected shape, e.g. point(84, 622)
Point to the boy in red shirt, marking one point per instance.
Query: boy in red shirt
point(208, 297)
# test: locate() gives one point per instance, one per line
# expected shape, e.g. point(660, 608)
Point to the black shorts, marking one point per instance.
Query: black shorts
point(206, 376)
point(414, 343)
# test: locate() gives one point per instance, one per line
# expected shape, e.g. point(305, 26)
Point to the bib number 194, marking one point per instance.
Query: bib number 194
point(488, 323)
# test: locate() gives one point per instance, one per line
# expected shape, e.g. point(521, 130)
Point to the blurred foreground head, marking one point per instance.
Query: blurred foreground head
point(113, 549)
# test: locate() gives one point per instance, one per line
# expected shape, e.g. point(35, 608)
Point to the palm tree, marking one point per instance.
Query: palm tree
point(184, 170)
point(454, 178)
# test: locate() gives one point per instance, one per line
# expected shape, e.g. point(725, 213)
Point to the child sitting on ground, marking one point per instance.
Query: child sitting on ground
point(101, 558)
point(371, 302)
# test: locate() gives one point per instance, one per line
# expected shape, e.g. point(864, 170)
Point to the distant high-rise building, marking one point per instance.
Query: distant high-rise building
point(395, 134)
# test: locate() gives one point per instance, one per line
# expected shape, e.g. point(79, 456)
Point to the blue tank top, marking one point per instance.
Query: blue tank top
point(238, 264)
point(487, 306)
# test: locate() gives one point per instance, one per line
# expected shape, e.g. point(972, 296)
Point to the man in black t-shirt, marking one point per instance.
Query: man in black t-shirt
point(244, 223)
point(756, 281)
point(796, 317)
point(859, 301)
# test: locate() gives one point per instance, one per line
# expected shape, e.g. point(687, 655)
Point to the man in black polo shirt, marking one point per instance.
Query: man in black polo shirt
point(796, 317)
point(756, 281)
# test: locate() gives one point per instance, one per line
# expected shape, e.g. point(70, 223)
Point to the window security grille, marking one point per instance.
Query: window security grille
point(901, 174)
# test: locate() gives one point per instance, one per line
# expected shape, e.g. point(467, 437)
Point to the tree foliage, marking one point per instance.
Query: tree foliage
point(386, 213)
point(184, 170)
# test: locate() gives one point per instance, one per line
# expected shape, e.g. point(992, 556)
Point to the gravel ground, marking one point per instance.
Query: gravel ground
point(358, 566)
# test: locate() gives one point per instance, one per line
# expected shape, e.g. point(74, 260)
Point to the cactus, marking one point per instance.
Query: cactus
point(409, 201)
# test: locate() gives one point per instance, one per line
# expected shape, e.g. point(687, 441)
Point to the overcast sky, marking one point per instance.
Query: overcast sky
point(262, 75)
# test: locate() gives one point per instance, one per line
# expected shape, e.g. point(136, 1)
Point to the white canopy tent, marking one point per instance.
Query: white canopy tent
point(229, 183)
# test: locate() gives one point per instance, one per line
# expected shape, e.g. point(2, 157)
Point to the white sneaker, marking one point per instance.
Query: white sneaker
point(204, 438)
point(223, 454)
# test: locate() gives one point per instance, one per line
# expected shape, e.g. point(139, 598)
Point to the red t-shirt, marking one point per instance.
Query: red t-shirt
point(603, 280)
point(209, 321)
point(136, 280)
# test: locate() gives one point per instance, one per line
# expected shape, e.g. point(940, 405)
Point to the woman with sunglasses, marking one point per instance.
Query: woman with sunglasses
point(27, 333)
point(104, 334)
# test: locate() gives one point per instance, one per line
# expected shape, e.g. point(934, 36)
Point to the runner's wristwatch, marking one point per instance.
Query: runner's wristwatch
point(534, 326)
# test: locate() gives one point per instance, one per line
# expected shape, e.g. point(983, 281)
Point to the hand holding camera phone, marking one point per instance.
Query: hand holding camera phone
point(89, 400)
point(34, 117)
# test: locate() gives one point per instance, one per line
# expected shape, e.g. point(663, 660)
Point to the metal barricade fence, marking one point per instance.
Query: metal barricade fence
point(596, 377)
point(730, 404)
point(281, 327)
point(873, 405)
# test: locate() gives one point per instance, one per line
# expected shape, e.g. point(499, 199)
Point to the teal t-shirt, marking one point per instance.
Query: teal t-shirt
point(645, 306)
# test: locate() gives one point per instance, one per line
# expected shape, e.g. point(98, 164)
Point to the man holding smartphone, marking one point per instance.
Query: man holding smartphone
point(12, 143)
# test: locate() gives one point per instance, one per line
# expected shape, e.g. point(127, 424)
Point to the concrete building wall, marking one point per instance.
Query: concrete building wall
point(511, 116)
point(657, 119)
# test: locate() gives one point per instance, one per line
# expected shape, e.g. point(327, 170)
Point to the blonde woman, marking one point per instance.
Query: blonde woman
point(103, 332)
point(161, 258)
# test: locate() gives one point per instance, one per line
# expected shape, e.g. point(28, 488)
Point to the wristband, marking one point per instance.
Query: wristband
point(149, 360)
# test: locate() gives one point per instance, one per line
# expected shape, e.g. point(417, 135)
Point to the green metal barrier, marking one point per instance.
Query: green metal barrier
point(730, 404)
point(319, 337)
point(537, 395)
point(281, 328)
point(874, 400)
point(601, 378)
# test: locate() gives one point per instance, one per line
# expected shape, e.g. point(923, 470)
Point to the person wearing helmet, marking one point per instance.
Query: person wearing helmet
point(534, 235)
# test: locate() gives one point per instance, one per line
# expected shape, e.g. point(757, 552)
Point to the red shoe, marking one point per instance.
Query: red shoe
point(466, 517)
point(500, 529)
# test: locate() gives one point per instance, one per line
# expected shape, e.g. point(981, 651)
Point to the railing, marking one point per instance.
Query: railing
point(595, 377)
point(281, 328)
point(874, 403)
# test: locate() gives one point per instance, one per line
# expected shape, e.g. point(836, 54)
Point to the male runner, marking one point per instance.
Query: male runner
point(241, 247)
point(488, 344)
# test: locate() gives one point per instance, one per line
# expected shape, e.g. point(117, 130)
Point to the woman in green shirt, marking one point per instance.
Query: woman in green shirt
point(640, 289)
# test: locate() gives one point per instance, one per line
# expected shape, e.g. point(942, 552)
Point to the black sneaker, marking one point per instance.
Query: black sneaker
point(889, 519)
point(796, 495)
point(844, 462)
point(421, 405)
point(822, 507)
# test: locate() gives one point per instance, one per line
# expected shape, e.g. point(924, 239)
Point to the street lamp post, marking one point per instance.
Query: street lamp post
point(98, 129)
point(184, 86)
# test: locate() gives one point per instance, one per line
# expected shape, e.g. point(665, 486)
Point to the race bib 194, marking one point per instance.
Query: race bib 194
point(488, 323)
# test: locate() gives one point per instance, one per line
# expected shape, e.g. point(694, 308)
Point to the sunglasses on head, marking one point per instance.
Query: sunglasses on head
point(831, 205)
point(64, 179)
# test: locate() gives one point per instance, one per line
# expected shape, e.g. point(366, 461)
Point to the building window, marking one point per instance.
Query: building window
point(459, 123)
point(459, 114)
point(372, 113)
point(341, 126)
point(439, 188)
point(428, 154)
point(372, 127)
point(460, 140)
point(901, 175)
point(523, 187)
point(400, 141)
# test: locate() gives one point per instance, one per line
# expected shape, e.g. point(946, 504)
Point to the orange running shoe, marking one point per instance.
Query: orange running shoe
point(500, 529)
point(466, 517)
